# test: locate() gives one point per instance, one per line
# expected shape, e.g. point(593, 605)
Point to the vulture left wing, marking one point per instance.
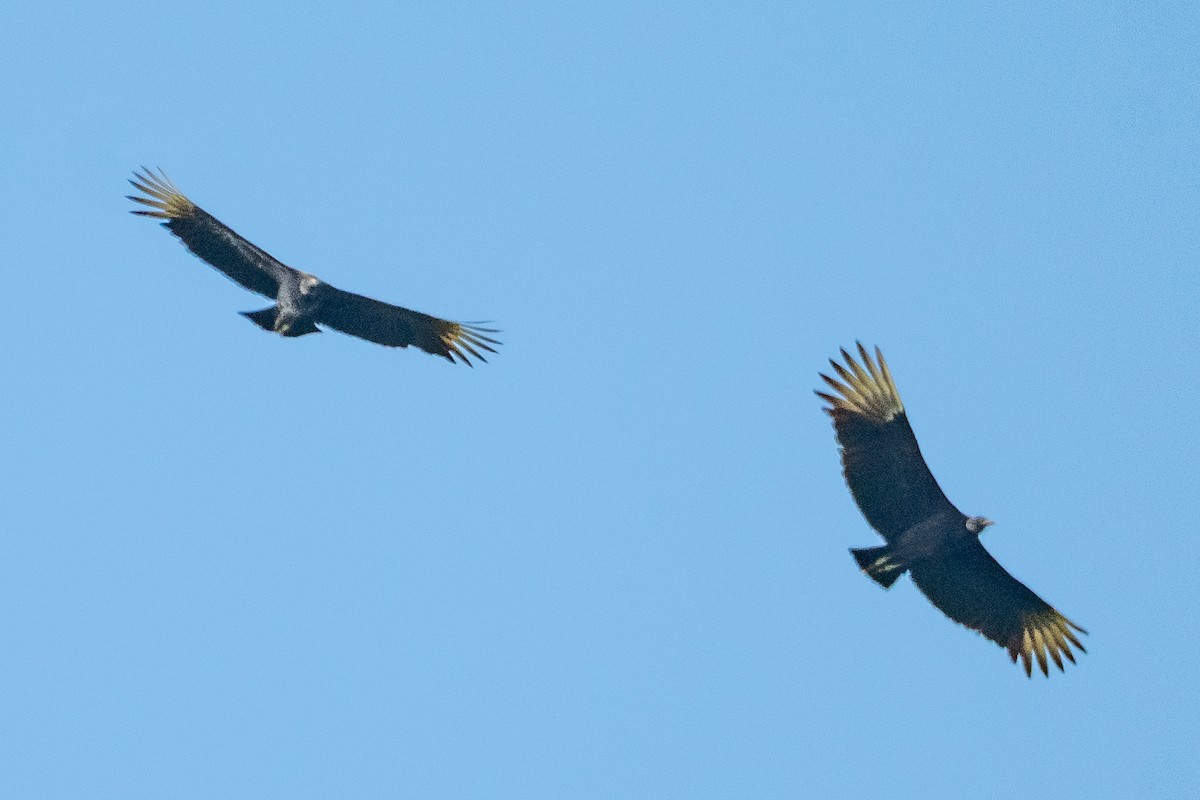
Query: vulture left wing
point(881, 460)
point(207, 237)
point(971, 588)
point(384, 323)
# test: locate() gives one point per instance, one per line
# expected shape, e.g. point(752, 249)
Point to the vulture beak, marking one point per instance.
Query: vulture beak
point(985, 523)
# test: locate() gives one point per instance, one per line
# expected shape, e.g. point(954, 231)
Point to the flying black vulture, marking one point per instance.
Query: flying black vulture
point(302, 301)
point(925, 534)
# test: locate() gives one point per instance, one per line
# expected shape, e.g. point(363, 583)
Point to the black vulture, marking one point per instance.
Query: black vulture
point(926, 534)
point(302, 301)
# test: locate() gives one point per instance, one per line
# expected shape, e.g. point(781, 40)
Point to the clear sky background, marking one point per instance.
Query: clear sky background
point(612, 562)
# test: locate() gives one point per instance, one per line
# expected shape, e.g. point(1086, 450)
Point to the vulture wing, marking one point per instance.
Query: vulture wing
point(207, 237)
point(881, 461)
point(384, 323)
point(971, 588)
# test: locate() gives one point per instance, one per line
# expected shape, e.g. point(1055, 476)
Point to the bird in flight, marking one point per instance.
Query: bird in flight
point(926, 535)
point(302, 301)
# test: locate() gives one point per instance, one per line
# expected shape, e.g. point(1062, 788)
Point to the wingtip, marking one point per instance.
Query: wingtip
point(159, 193)
point(1045, 638)
point(866, 387)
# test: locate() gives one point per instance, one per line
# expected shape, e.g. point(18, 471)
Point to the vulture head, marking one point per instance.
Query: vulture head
point(976, 524)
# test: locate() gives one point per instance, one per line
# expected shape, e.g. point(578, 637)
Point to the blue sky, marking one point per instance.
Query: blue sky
point(612, 562)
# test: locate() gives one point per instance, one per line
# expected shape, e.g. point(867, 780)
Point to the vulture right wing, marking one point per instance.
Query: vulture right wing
point(207, 237)
point(881, 461)
point(971, 588)
point(386, 324)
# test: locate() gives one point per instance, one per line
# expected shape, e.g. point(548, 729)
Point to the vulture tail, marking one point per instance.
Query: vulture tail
point(266, 319)
point(880, 564)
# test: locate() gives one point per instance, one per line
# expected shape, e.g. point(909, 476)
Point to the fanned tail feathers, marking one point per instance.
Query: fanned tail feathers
point(880, 564)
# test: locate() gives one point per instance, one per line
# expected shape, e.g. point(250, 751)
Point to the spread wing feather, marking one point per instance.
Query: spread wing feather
point(881, 460)
point(971, 588)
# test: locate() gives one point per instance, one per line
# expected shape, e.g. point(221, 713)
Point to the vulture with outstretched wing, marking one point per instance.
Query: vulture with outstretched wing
point(302, 301)
point(925, 534)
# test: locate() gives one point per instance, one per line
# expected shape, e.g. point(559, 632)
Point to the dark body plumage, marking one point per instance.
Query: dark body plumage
point(926, 535)
point(302, 301)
